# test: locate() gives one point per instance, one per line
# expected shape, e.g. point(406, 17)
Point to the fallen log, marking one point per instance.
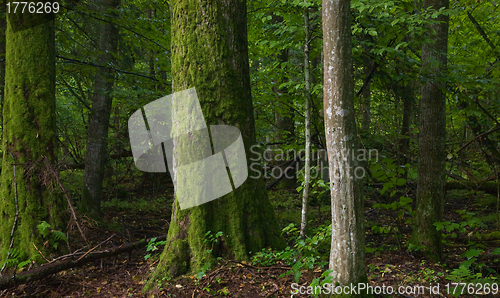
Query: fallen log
point(75, 261)
point(490, 187)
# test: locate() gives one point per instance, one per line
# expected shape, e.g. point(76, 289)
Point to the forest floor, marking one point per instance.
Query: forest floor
point(134, 218)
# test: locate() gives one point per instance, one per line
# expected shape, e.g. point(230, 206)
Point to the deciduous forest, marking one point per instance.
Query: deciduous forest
point(369, 135)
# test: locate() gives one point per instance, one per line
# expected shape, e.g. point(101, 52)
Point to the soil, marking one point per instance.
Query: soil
point(126, 274)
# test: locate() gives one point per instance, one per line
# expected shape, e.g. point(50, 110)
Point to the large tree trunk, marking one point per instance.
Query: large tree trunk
point(97, 136)
point(432, 136)
point(29, 122)
point(3, 27)
point(347, 254)
point(210, 53)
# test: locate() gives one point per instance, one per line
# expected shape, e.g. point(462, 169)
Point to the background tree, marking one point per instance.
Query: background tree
point(307, 165)
point(432, 138)
point(347, 254)
point(97, 138)
point(210, 53)
point(29, 134)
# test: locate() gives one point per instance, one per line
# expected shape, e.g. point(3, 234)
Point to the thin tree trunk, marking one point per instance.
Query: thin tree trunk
point(432, 136)
point(98, 127)
point(407, 97)
point(347, 254)
point(307, 166)
point(366, 95)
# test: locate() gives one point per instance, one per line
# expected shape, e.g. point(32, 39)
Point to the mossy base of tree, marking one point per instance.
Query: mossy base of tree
point(245, 218)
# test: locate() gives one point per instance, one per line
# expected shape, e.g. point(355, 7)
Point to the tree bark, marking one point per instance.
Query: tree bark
point(210, 53)
point(98, 127)
point(366, 94)
point(432, 137)
point(347, 254)
point(285, 124)
point(307, 165)
point(407, 97)
point(3, 27)
point(29, 122)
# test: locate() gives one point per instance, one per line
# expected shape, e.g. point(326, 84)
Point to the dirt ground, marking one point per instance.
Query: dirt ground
point(126, 274)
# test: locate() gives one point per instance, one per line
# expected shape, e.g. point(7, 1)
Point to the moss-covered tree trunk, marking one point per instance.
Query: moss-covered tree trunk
point(432, 137)
point(29, 133)
point(3, 27)
point(347, 253)
point(210, 53)
point(97, 135)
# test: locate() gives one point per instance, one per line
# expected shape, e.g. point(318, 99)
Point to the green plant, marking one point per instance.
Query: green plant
point(153, 245)
point(208, 242)
point(54, 236)
point(387, 172)
point(306, 253)
point(325, 278)
point(14, 259)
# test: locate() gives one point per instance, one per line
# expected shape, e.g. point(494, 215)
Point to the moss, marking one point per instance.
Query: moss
point(28, 134)
point(209, 52)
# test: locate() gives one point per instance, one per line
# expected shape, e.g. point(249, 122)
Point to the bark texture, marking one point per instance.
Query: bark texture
point(307, 166)
point(97, 135)
point(432, 136)
point(29, 133)
point(347, 254)
point(210, 53)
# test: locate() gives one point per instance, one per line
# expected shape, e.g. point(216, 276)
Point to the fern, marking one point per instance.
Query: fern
point(59, 236)
point(9, 263)
point(44, 228)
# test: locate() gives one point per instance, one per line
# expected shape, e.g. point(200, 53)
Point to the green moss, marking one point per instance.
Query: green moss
point(28, 135)
point(209, 52)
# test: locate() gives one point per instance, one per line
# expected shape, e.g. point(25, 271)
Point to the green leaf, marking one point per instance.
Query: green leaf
point(473, 252)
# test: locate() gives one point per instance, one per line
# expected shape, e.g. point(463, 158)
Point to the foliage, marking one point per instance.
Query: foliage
point(154, 245)
point(208, 243)
point(53, 236)
point(305, 254)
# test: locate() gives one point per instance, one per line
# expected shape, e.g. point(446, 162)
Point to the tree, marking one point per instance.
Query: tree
point(3, 26)
point(29, 134)
point(307, 166)
point(432, 137)
point(347, 254)
point(210, 53)
point(97, 135)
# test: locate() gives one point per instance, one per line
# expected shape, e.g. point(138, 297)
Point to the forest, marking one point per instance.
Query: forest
point(250, 148)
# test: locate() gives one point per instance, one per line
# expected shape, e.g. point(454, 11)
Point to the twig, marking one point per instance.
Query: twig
point(73, 254)
point(209, 277)
point(67, 198)
point(273, 292)
point(261, 268)
point(95, 247)
point(493, 129)
point(15, 217)
point(40, 253)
